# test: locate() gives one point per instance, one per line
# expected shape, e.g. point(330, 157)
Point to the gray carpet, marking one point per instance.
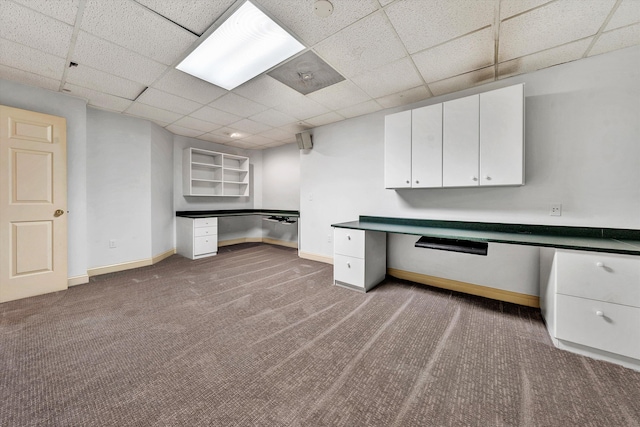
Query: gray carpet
point(258, 337)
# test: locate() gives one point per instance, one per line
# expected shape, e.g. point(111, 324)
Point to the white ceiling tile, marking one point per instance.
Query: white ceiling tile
point(301, 19)
point(295, 128)
point(544, 59)
point(97, 80)
point(113, 59)
point(197, 124)
point(627, 13)
point(167, 101)
point(403, 98)
point(360, 109)
point(134, 27)
point(152, 113)
point(258, 140)
point(226, 132)
point(274, 144)
point(423, 24)
point(179, 130)
point(195, 15)
point(245, 145)
point(458, 56)
point(27, 78)
point(236, 104)
point(302, 108)
point(21, 57)
point(273, 118)
point(340, 95)
point(551, 25)
point(214, 138)
point(325, 119)
point(62, 10)
point(617, 39)
point(99, 99)
point(249, 126)
point(277, 134)
point(186, 86)
point(464, 81)
point(267, 91)
point(385, 80)
point(216, 116)
point(510, 8)
point(369, 43)
point(25, 26)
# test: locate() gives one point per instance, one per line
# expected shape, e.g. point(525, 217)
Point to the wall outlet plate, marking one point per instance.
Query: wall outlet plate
point(555, 209)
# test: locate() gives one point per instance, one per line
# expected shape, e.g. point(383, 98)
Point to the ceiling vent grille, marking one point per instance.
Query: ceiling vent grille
point(306, 73)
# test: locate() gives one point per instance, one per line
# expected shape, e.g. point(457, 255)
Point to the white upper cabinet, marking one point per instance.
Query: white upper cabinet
point(502, 136)
point(460, 148)
point(426, 147)
point(468, 142)
point(397, 150)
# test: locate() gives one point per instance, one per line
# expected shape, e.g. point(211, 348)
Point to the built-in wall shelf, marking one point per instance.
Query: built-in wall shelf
point(208, 173)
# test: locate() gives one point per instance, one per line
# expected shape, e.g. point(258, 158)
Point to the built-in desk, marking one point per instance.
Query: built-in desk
point(197, 231)
point(589, 277)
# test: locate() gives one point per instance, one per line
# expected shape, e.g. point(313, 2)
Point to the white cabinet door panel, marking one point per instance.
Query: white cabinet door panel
point(502, 136)
point(460, 142)
point(426, 146)
point(397, 150)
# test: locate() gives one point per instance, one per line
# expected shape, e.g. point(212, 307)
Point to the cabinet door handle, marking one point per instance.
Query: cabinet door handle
point(488, 178)
point(600, 313)
point(408, 181)
point(417, 182)
point(348, 237)
point(348, 265)
point(473, 178)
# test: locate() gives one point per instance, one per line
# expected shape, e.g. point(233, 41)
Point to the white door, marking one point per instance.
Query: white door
point(397, 150)
point(426, 147)
point(460, 141)
point(502, 136)
point(33, 202)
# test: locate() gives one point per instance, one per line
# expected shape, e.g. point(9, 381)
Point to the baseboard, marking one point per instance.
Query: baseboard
point(258, 240)
point(240, 240)
point(78, 280)
point(156, 259)
point(119, 267)
point(315, 257)
point(467, 288)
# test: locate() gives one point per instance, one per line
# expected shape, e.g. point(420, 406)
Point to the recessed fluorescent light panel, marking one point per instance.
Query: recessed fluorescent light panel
point(246, 44)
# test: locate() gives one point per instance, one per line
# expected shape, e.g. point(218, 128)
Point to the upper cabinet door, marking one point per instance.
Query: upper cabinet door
point(397, 150)
point(502, 136)
point(426, 161)
point(460, 142)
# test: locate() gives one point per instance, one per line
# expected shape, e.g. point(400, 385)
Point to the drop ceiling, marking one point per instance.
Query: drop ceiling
point(391, 53)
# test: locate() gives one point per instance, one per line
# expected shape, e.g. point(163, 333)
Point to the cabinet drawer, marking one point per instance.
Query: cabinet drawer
point(348, 270)
point(347, 241)
point(205, 231)
point(205, 222)
point(205, 245)
point(598, 276)
point(605, 326)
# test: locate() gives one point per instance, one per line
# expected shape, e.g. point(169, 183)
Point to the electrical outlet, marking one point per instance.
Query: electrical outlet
point(112, 244)
point(555, 209)
point(329, 239)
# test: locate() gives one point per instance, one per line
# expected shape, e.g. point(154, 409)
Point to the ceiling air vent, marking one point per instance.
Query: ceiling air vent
point(306, 73)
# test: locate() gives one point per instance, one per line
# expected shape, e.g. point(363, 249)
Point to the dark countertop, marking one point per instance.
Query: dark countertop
point(611, 240)
point(237, 212)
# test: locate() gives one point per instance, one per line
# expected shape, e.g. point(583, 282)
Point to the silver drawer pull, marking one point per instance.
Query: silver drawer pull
point(348, 237)
point(600, 313)
point(348, 265)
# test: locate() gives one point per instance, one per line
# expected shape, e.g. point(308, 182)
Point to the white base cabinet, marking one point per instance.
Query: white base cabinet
point(593, 305)
point(359, 258)
point(196, 237)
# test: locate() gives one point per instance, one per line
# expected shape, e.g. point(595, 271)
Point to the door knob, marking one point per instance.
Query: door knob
point(58, 212)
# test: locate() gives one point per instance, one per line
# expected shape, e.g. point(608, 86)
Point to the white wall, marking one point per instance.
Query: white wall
point(582, 150)
point(162, 212)
point(118, 188)
point(74, 110)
